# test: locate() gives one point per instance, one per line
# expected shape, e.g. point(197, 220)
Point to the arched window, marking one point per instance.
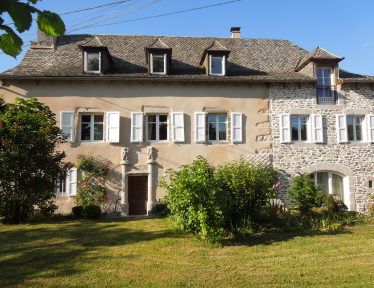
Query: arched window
point(330, 183)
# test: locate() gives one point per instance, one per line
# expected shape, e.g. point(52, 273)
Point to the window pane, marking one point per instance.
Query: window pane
point(98, 132)
point(303, 132)
point(295, 133)
point(212, 118)
point(359, 128)
point(216, 65)
point(212, 131)
point(151, 118)
point(294, 119)
point(326, 73)
point(222, 131)
point(93, 62)
point(302, 119)
point(158, 64)
point(319, 73)
point(86, 118)
point(221, 118)
point(327, 81)
point(86, 132)
point(98, 118)
point(163, 133)
point(151, 131)
point(337, 183)
point(163, 118)
point(350, 133)
point(323, 181)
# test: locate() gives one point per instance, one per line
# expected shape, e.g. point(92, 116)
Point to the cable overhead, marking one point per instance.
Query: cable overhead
point(94, 7)
point(115, 15)
point(167, 14)
point(105, 13)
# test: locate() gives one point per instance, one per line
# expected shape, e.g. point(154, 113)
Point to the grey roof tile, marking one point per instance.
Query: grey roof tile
point(318, 53)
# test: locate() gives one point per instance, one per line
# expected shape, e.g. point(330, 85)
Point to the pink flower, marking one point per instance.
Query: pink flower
point(78, 155)
point(74, 202)
point(100, 201)
point(80, 187)
point(105, 197)
point(93, 170)
point(86, 183)
point(97, 198)
point(101, 180)
point(107, 161)
point(108, 168)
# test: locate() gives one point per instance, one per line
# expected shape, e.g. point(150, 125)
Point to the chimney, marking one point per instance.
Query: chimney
point(43, 41)
point(235, 32)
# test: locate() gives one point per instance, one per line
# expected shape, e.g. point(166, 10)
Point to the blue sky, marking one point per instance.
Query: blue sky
point(342, 27)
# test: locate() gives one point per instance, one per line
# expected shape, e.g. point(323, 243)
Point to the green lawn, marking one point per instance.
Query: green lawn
point(144, 252)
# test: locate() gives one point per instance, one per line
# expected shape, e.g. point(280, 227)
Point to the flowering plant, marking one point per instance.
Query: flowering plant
point(91, 189)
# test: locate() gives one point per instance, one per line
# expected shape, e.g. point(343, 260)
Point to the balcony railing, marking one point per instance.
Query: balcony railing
point(326, 94)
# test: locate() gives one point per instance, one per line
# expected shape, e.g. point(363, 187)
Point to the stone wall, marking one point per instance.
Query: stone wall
point(330, 155)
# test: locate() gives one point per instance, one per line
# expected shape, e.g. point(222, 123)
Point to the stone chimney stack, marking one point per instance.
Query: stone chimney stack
point(235, 32)
point(43, 41)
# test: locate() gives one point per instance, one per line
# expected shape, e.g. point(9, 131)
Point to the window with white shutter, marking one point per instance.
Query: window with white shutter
point(341, 128)
point(112, 127)
point(71, 181)
point(284, 126)
point(67, 124)
point(236, 127)
point(177, 120)
point(136, 127)
point(317, 128)
point(200, 127)
point(370, 124)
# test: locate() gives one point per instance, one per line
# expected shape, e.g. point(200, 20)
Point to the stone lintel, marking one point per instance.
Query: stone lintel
point(300, 111)
point(356, 111)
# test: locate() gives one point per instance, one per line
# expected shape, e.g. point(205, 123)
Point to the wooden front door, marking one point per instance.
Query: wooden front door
point(138, 195)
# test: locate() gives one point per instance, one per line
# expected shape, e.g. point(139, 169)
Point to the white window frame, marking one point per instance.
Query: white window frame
point(299, 130)
point(85, 62)
point(223, 59)
point(370, 127)
point(316, 130)
point(237, 124)
point(354, 128)
point(332, 80)
point(341, 130)
point(151, 63)
point(72, 186)
point(138, 127)
point(158, 127)
point(202, 127)
point(92, 127)
point(71, 115)
point(175, 126)
point(217, 125)
point(112, 127)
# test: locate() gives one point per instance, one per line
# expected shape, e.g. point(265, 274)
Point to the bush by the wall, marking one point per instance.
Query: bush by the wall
point(333, 205)
point(77, 211)
point(91, 212)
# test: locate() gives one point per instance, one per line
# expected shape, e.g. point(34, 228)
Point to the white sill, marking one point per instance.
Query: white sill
point(158, 73)
point(83, 143)
point(93, 72)
point(211, 74)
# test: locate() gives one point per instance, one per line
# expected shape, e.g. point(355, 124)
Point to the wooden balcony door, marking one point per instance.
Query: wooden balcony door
point(138, 195)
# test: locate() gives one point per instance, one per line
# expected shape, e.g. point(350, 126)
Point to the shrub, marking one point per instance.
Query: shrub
point(334, 205)
point(248, 188)
point(91, 212)
point(161, 209)
point(77, 211)
point(305, 193)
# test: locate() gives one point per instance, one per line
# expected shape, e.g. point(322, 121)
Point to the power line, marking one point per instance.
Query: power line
point(94, 7)
point(167, 14)
point(114, 16)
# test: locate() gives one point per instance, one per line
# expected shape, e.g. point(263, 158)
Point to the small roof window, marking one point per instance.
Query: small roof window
point(158, 57)
point(214, 59)
point(217, 65)
point(158, 64)
point(92, 62)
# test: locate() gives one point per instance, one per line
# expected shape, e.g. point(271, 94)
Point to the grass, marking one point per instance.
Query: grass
point(144, 252)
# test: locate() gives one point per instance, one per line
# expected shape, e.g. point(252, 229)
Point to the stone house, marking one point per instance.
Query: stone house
point(150, 103)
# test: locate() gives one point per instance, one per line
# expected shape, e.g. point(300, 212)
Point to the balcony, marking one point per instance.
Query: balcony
point(326, 94)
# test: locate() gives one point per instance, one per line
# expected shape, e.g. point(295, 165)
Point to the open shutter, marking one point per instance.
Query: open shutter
point(71, 181)
point(370, 124)
point(99, 61)
point(85, 61)
point(136, 127)
point(200, 127)
point(67, 124)
point(177, 121)
point(285, 130)
point(341, 128)
point(236, 127)
point(112, 127)
point(224, 65)
point(317, 128)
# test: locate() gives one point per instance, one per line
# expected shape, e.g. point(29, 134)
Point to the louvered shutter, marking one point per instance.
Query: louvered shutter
point(341, 128)
point(370, 124)
point(99, 61)
point(284, 127)
point(200, 127)
point(317, 128)
point(67, 124)
point(112, 127)
point(236, 127)
point(71, 181)
point(136, 127)
point(85, 61)
point(177, 122)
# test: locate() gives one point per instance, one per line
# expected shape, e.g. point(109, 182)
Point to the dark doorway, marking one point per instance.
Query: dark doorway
point(138, 195)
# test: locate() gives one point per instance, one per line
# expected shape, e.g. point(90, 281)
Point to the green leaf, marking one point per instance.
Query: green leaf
point(10, 43)
point(49, 27)
point(21, 16)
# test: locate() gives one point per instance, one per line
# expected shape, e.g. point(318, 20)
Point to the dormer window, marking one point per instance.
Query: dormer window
point(92, 62)
point(217, 65)
point(158, 64)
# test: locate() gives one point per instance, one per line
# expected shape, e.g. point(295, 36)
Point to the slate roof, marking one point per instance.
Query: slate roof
point(158, 44)
point(318, 53)
point(249, 59)
point(352, 77)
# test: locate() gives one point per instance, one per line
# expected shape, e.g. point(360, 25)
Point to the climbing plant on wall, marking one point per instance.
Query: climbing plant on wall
point(91, 189)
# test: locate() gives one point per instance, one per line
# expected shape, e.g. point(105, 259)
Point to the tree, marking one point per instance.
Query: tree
point(21, 13)
point(29, 162)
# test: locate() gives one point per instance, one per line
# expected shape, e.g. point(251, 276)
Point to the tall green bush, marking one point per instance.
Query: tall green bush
point(304, 193)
